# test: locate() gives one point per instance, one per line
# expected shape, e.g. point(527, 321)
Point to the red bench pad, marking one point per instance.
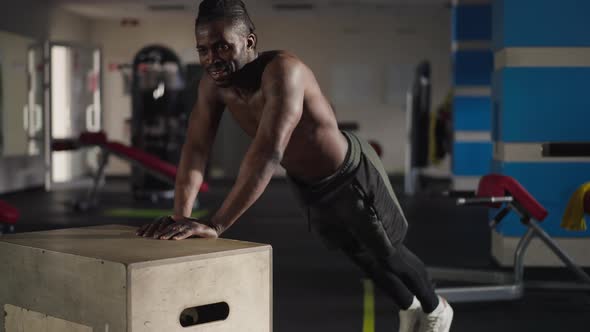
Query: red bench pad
point(64, 144)
point(8, 213)
point(497, 185)
point(97, 138)
point(147, 160)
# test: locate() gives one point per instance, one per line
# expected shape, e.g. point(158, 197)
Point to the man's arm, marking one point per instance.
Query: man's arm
point(283, 89)
point(203, 123)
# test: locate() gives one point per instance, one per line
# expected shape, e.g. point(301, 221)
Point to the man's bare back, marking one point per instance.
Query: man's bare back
point(316, 147)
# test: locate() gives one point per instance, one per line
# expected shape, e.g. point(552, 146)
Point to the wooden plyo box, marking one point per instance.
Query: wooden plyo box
point(107, 279)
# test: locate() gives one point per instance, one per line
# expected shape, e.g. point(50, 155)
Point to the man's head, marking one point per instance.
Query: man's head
point(225, 38)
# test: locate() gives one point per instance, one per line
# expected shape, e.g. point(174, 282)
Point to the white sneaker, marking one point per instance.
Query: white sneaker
point(408, 319)
point(439, 320)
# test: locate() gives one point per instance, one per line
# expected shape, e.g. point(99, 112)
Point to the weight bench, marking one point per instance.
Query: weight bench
point(9, 216)
point(149, 163)
point(504, 192)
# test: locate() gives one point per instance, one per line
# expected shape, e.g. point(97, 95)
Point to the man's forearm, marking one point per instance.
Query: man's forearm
point(188, 181)
point(255, 173)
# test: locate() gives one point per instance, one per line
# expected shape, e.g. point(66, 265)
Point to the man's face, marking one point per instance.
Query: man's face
point(222, 49)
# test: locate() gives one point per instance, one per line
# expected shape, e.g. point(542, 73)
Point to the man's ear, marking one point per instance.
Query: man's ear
point(252, 40)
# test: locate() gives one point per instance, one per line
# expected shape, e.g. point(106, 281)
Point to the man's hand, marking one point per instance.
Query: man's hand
point(169, 228)
point(148, 230)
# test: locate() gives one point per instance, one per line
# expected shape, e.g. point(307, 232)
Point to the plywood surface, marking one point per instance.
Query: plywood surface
point(159, 293)
point(118, 243)
point(22, 320)
point(77, 289)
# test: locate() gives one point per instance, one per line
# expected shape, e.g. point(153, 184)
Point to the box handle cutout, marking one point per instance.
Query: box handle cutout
point(204, 314)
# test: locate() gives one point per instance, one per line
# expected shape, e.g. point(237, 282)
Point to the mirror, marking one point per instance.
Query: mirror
point(75, 107)
point(20, 111)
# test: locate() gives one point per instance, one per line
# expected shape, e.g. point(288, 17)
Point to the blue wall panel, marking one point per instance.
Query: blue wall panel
point(540, 23)
point(472, 158)
point(472, 22)
point(472, 113)
point(473, 67)
point(541, 104)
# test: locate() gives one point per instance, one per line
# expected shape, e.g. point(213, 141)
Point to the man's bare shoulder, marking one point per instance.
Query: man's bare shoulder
point(283, 65)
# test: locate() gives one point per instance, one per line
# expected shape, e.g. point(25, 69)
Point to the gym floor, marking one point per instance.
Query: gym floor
point(319, 290)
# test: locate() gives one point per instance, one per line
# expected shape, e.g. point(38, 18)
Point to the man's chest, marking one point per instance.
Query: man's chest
point(247, 112)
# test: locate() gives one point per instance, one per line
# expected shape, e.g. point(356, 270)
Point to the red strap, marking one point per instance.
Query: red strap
point(8, 213)
point(502, 185)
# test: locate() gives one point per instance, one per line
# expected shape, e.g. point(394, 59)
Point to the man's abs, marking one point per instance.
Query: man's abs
point(313, 154)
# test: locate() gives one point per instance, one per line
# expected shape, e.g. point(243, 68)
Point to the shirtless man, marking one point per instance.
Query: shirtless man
point(338, 178)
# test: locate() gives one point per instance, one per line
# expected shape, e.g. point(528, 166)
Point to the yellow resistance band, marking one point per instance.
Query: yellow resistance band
point(369, 306)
